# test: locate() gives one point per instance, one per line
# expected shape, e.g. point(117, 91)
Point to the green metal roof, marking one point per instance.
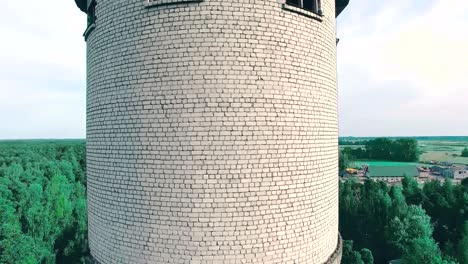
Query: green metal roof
point(392, 171)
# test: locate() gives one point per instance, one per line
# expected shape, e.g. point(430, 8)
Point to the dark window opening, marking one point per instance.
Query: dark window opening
point(293, 2)
point(309, 5)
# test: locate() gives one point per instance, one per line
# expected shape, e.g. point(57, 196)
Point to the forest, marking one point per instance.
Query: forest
point(417, 225)
point(43, 213)
point(400, 149)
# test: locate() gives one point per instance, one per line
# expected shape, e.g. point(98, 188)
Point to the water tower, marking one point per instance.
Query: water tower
point(212, 131)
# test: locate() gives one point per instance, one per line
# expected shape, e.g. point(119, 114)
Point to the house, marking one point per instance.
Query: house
point(391, 173)
point(460, 173)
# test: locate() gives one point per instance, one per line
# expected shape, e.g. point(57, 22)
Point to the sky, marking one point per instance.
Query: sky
point(402, 69)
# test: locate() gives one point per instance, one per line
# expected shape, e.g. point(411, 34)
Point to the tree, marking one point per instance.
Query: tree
point(422, 251)
point(399, 206)
point(43, 203)
point(349, 255)
point(405, 149)
point(464, 152)
point(412, 191)
point(464, 183)
point(366, 256)
point(379, 149)
point(35, 214)
point(344, 161)
point(414, 225)
point(463, 245)
point(402, 149)
point(355, 153)
point(349, 206)
point(377, 217)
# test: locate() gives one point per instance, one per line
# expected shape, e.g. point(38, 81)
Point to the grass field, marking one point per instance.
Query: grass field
point(443, 150)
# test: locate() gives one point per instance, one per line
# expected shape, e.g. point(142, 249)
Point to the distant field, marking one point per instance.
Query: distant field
point(442, 150)
point(442, 139)
point(437, 149)
point(386, 163)
point(352, 146)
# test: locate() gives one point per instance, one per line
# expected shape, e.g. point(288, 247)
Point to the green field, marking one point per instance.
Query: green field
point(443, 150)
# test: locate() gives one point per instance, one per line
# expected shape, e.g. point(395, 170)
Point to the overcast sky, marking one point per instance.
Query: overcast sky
point(402, 66)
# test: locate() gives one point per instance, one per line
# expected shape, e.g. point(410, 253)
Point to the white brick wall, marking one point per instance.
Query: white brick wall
point(212, 133)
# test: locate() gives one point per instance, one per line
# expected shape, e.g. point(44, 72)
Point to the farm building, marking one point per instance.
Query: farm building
point(391, 173)
point(446, 173)
point(442, 171)
point(460, 173)
point(424, 172)
point(454, 172)
point(437, 170)
point(446, 163)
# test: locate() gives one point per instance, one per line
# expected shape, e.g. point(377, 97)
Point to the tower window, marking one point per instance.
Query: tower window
point(309, 5)
point(154, 3)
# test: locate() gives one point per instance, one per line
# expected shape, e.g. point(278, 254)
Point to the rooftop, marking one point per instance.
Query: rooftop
point(340, 5)
point(393, 171)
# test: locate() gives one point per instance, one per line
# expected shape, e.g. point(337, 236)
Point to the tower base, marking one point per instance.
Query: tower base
point(335, 258)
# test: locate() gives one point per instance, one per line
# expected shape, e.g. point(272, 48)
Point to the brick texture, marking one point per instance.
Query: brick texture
point(212, 133)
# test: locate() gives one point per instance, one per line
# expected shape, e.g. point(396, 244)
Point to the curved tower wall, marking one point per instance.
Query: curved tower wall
point(212, 133)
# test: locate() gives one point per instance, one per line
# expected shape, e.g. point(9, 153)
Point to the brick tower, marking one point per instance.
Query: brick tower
point(212, 131)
